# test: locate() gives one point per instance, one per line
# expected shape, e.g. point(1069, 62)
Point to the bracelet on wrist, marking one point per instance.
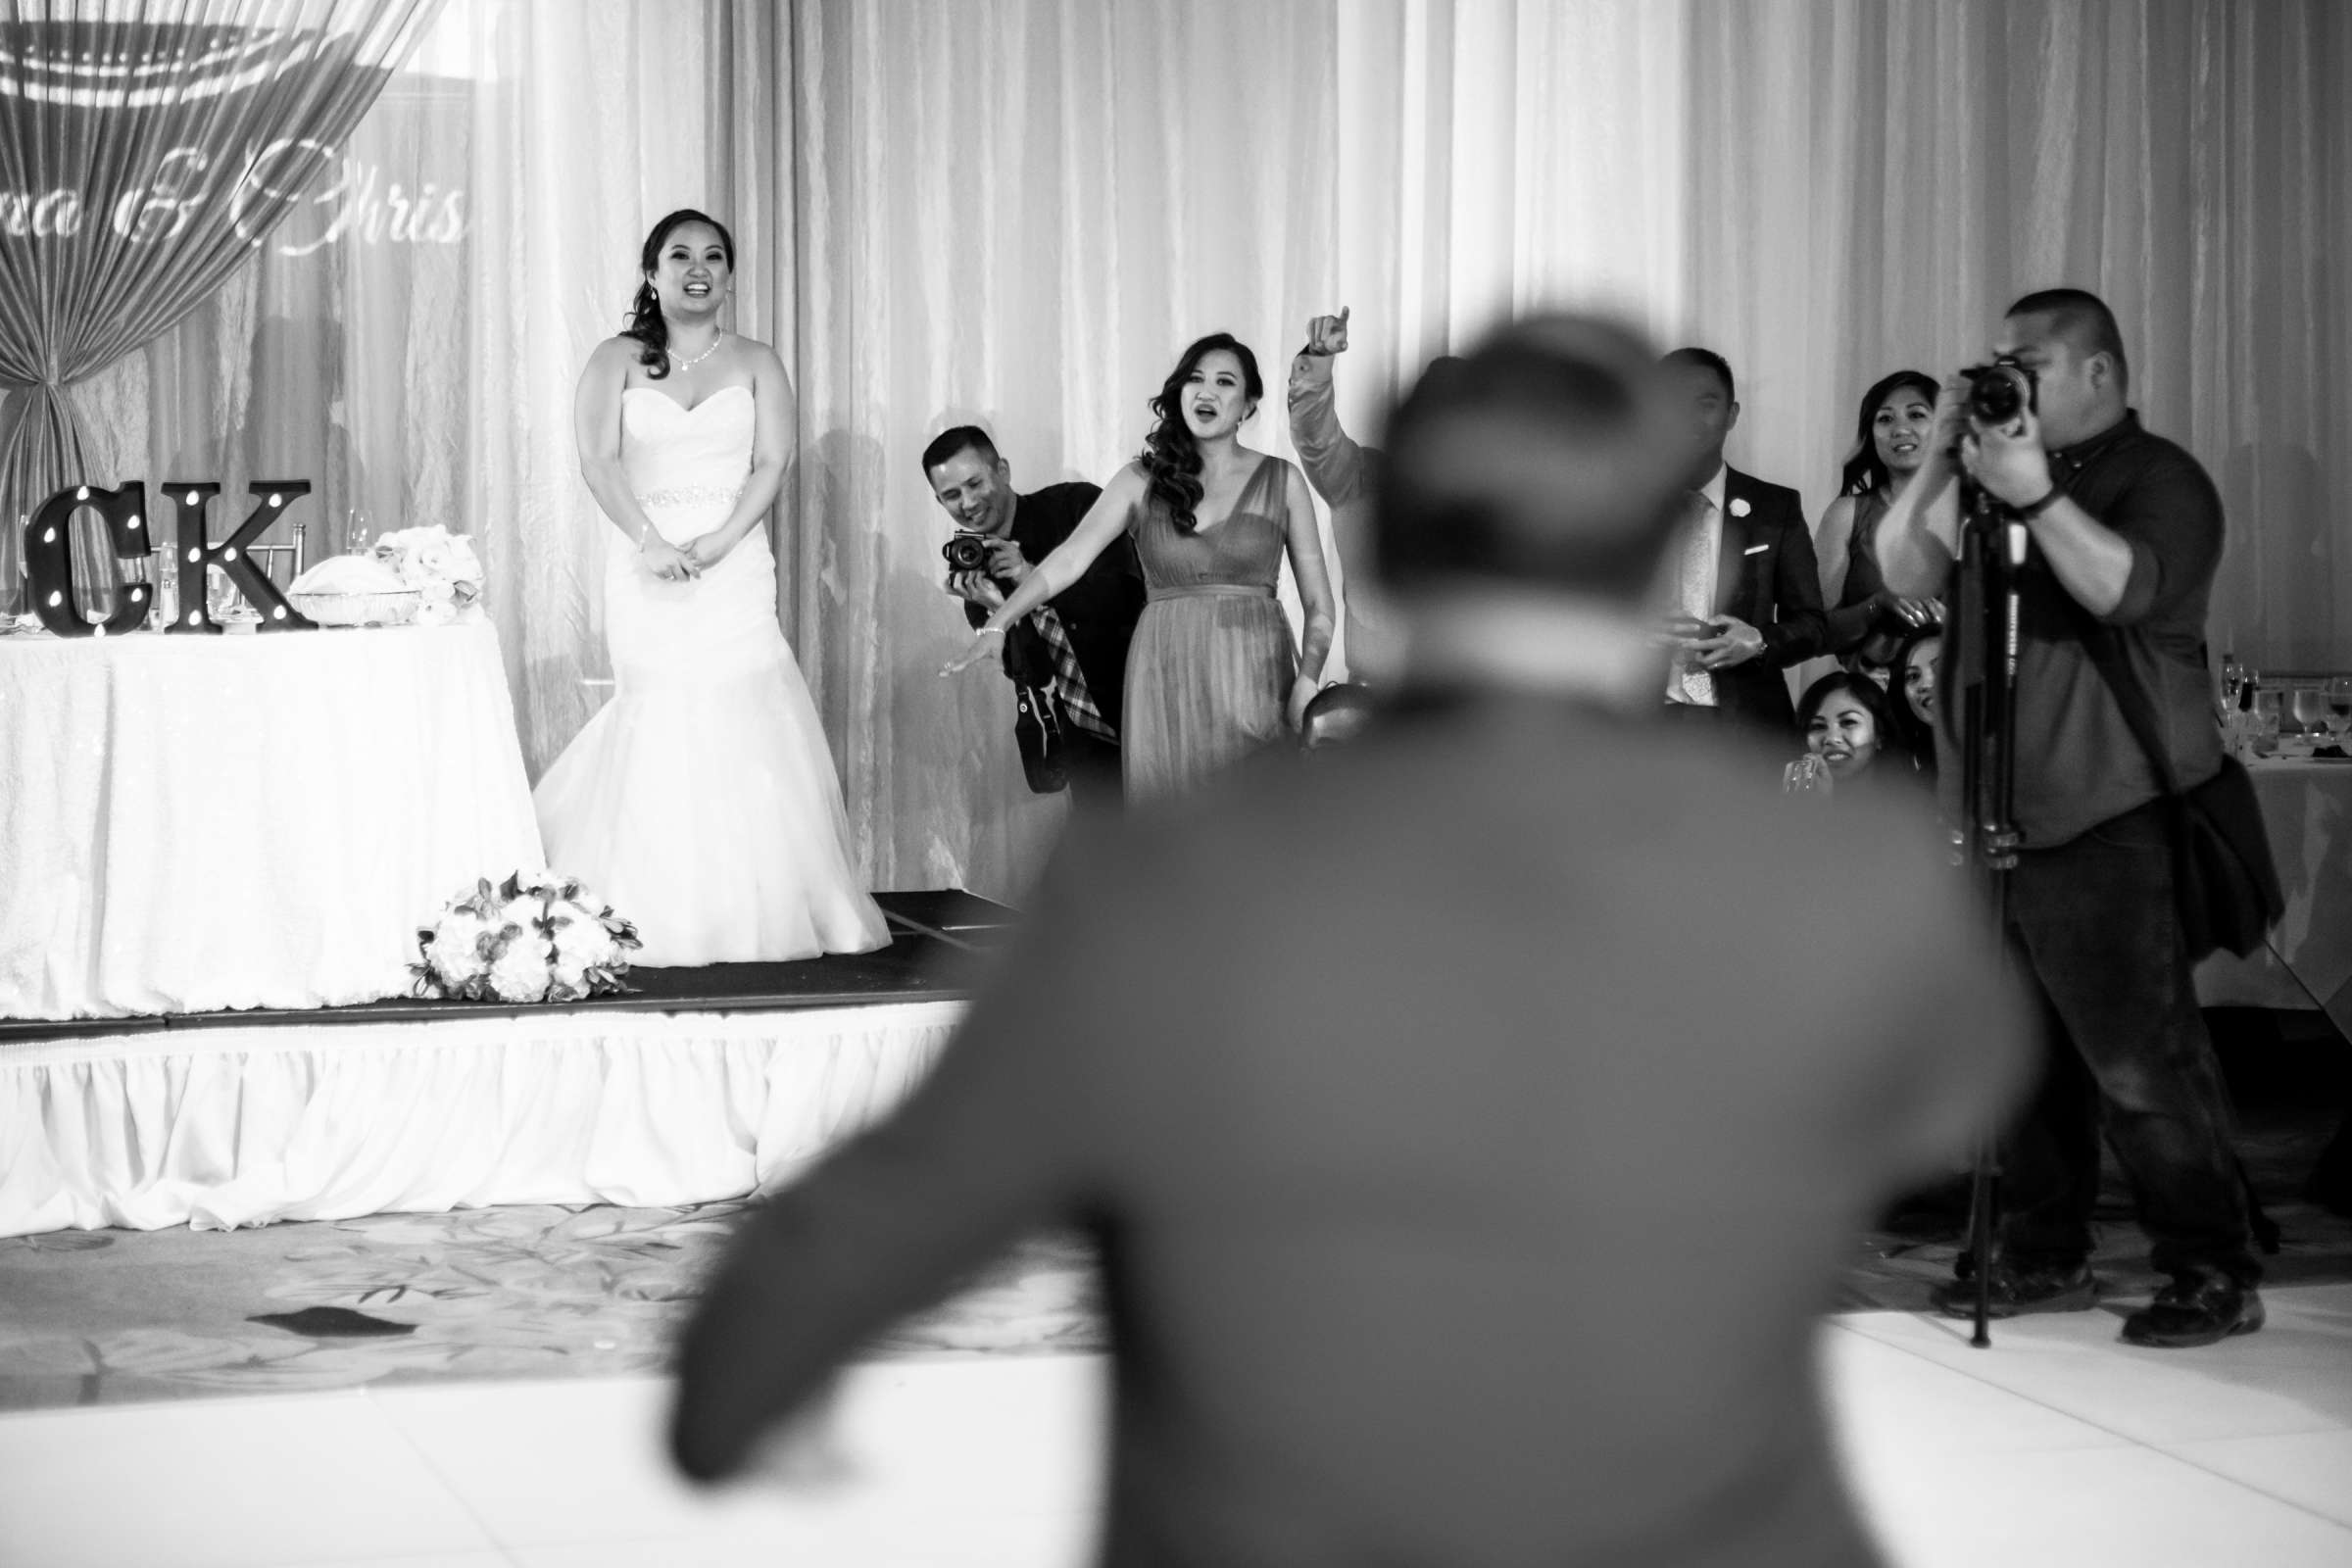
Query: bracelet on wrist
point(985, 630)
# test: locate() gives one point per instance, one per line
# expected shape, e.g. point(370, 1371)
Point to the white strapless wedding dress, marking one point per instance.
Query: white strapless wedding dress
point(700, 802)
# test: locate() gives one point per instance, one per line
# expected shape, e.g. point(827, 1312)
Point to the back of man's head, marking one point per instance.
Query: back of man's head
point(1545, 458)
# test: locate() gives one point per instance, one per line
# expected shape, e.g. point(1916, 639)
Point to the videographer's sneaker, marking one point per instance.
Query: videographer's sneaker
point(2195, 1310)
point(2015, 1291)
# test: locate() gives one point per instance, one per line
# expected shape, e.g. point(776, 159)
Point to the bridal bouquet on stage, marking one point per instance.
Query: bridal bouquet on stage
point(535, 937)
point(440, 566)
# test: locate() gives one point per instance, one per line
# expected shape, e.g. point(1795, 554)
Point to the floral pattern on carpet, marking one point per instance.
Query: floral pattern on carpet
point(528, 1292)
point(91, 1317)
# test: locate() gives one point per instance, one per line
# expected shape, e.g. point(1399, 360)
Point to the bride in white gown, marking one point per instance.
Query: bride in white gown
point(700, 802)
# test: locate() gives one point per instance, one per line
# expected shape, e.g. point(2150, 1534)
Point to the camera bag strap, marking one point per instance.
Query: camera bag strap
point(2225, 880)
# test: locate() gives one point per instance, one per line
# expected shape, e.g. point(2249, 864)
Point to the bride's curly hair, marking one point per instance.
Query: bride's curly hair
point(1172, 458)
point(645, 322)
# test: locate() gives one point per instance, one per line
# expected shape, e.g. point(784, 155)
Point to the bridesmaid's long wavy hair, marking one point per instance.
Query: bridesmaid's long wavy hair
point(1172, 458)
point(1863, 471)
point(646, 324)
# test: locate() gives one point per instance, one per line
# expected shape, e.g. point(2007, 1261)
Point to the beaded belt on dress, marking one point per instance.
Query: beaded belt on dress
point(1222, 590)
point(690, 495)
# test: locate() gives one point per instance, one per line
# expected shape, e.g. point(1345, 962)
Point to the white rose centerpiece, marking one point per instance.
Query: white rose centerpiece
point(534, 937)
point(440, 566)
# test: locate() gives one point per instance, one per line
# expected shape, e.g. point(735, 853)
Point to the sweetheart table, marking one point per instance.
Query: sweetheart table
point(195, 823)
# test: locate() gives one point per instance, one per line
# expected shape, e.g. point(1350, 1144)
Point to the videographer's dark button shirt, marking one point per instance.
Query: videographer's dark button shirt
point(1098, 610)
point(2078, 763)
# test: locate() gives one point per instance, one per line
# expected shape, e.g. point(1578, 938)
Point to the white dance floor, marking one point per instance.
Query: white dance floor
point(2058, 1446)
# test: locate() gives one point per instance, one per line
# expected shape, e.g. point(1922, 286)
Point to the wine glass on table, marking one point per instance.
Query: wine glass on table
point(2310, 706)
point(2233, 681)
point(2339, 706)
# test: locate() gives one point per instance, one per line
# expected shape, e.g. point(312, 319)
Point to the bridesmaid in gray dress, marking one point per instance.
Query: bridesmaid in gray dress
point(1211, 674)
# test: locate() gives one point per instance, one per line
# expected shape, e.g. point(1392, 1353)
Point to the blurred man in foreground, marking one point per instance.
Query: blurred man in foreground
point(1435, 1059)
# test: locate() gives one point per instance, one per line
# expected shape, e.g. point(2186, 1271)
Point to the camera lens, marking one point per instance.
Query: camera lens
point(1996, 397)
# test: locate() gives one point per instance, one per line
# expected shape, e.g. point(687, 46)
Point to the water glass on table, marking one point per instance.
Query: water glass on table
point(2262, 723)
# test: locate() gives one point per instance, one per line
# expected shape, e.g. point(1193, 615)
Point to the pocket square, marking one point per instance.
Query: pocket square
point(1755, 550)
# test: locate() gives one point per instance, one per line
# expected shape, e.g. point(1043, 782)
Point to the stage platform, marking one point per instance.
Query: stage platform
point(703, 1084)
point(931, 932)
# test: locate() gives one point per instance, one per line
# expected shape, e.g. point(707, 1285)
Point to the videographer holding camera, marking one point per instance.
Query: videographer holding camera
point(1067, 661)
point(2125, 534)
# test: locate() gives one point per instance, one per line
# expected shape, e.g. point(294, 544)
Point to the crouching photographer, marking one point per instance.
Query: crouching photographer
point(2115, 734)
point(1067, 661)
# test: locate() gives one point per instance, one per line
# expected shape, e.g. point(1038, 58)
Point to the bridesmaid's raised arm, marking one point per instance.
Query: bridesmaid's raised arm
point(1105, 520)
point(1304, 540)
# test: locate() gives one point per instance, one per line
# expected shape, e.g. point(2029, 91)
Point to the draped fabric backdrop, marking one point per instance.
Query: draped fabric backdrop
point(1016, 212)
point(145, 152)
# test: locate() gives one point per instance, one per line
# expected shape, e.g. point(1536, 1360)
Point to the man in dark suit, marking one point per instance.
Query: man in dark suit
point(1745, 593)
point(1069, 662)
point(1396, 1085)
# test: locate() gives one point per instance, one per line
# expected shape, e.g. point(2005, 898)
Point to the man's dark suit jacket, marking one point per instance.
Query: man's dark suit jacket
point(1469, 1153)
point(1098, 610)
point(1766, 576)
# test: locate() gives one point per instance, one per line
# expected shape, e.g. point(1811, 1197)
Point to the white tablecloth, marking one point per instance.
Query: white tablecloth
point(2307, 808)
point(191, 823)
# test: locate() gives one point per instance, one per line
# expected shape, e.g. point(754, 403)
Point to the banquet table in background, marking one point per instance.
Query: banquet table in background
point(2307, 807)
point(194, 823)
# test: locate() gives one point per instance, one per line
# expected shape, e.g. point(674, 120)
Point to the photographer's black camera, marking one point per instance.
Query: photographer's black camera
point(966, 552)
point(1999, 392)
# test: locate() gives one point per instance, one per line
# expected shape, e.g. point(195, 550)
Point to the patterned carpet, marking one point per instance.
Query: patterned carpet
point(91, 1317)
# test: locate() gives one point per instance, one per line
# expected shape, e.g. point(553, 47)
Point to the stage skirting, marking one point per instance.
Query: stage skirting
point(223, 1127)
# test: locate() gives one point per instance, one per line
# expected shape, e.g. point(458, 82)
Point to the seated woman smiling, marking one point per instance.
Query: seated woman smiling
point(1848, 732)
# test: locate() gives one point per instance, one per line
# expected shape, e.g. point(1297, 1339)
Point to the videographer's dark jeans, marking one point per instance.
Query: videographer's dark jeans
point(2099, 943)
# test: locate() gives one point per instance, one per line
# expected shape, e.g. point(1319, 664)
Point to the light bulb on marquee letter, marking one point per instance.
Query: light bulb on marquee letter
point(197, 557)
point(48, 545)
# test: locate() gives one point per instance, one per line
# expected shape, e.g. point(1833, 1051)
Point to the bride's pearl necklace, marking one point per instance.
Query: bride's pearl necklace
point(688, 365)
